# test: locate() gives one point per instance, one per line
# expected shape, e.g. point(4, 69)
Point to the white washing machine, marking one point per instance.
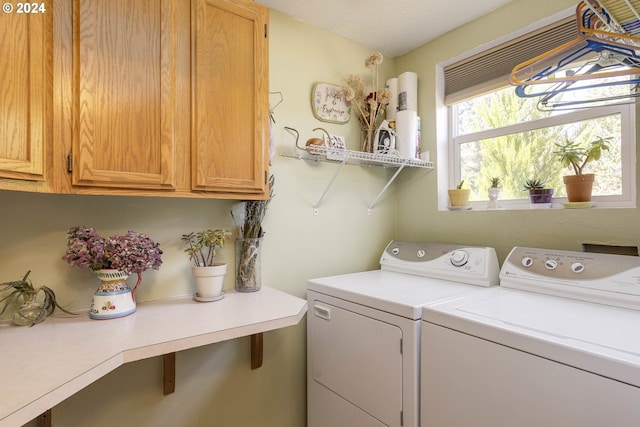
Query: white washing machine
point(556, 344)
point(363, 331)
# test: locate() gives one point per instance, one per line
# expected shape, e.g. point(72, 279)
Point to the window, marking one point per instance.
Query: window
point(502, 135)
point(494, 133)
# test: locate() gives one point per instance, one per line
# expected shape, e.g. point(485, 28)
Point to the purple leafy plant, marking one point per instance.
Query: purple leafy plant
point(131, 253)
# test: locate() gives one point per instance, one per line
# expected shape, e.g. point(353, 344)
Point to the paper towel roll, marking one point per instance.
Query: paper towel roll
point(392, 107)
point(408, 91)
point(406, 133)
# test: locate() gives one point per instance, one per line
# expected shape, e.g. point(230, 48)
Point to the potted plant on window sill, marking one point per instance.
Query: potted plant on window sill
point(571, 154)
point(537, 193)
point(209, 275)
point(494, 192)
point(459, 197)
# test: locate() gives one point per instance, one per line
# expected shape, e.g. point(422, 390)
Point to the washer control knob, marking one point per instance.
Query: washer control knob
point(395, 251)
point(551, 264)
point(577, 267)
point(459, 258)
point(421, 253)
point(527, 261)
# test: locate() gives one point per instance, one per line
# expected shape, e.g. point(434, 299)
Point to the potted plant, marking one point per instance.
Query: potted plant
point(30, 305)
point(494, 193)
point(537, 192)
point(113, 260)
point(459, 196)
point(209, 275)
point(575, 156)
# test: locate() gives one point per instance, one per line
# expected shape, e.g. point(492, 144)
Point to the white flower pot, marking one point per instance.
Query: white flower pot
point(209, 280)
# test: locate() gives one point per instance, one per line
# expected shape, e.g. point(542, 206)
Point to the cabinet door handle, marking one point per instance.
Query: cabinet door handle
point(322, 311)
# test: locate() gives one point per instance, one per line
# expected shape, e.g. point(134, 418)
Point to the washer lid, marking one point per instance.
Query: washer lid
point(594, 337)
point(396, 293)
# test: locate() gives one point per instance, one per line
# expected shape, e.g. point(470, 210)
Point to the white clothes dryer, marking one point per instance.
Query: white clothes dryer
point(363, 342)
point(557, 344)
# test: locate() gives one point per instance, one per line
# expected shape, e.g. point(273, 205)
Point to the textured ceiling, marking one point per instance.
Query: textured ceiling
point(391, 27)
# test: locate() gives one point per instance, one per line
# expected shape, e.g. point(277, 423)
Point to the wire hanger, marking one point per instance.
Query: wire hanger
point(600, 56)
point(609, 54)
point(623, 14)
point(272, 109)
point(581, 59)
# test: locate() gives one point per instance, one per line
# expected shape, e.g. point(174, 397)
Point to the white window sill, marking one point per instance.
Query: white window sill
point(519, 205)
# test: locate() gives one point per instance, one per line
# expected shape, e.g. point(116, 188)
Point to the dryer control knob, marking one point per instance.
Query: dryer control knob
point(527, 261)
point(577, 267)
point(421, 253)
point(551, 264)
point(459, 258)
point(395, 251)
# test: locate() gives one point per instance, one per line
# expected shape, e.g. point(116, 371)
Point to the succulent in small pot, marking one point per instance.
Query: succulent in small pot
point(537, 192)
point(494, 193)
point(202, 246)
point(30, 305)
point(459, 196)
point(209, 275)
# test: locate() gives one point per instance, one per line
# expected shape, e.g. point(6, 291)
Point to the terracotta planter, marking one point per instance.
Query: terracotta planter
point(459, 197)
point(579, 187)
point(541, 195)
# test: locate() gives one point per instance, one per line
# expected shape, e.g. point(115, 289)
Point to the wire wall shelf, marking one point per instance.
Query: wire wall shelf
point(321, 153)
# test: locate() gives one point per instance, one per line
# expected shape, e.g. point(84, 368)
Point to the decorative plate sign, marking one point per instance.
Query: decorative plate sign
point(329, 104)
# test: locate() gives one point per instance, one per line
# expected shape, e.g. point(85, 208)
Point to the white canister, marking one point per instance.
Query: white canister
point(408, 91)
point(406, 133)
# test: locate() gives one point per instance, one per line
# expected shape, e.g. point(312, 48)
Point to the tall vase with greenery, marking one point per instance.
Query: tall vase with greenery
point(248, 244)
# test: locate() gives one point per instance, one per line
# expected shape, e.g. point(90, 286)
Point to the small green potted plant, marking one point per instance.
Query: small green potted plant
point(575, 156)
point(29, 305)
point(459, 197)
point(494, 193)
point(209, 275)
point(537, 192)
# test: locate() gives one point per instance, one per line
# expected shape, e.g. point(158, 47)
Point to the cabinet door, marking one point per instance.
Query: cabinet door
point(25, 93)
point(230, 97)
point(124, 64)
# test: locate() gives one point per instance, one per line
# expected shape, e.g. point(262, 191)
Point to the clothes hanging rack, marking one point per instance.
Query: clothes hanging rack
point(610, 53)
point(602, 55)
point(623, 13)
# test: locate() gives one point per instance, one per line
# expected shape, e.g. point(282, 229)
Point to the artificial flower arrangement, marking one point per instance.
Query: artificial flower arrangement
point(370, 104)
point(130, 253)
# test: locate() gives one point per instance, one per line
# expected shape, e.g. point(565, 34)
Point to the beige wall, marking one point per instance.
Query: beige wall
point(214, 384)
point(418, 215)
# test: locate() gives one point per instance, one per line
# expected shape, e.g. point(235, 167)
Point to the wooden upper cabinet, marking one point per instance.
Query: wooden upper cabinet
point(124, 94)
point(229, 54)
point(25, 96)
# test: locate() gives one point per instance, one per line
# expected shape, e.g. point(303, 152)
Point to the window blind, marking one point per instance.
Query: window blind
point(490, 70)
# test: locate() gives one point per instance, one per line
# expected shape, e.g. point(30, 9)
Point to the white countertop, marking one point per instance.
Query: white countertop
point(51, 361)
